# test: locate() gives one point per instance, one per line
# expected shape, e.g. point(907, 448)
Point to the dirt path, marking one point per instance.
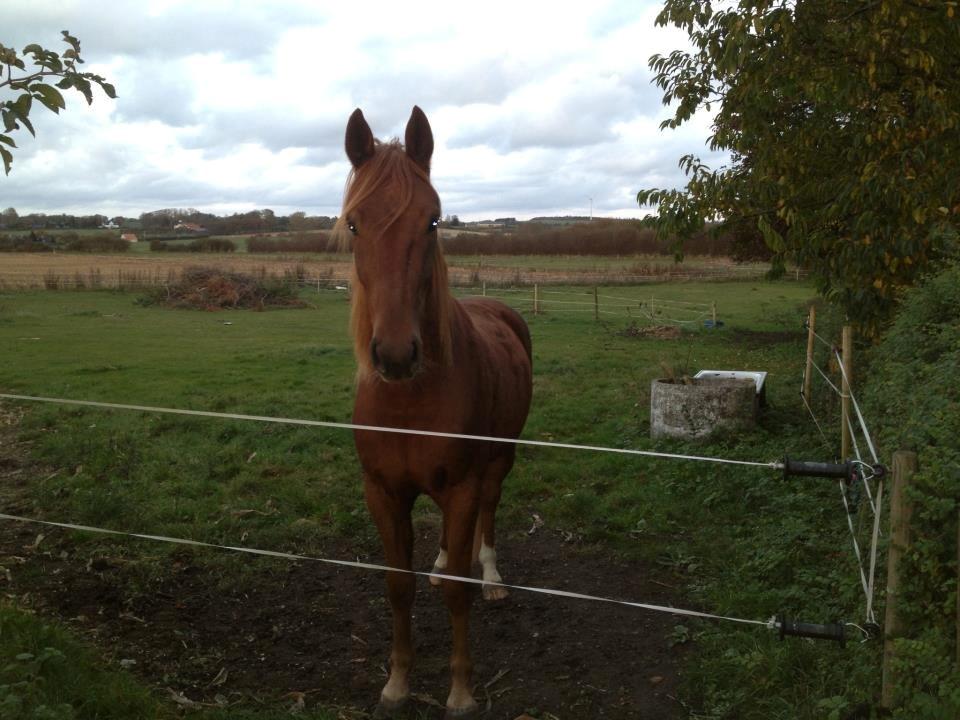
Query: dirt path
point(298, 632)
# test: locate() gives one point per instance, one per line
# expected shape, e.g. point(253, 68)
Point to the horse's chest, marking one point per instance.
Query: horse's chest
point(420, 460)
point(426, 463)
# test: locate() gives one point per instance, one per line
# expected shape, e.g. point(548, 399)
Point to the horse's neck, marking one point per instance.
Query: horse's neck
point(442, 324)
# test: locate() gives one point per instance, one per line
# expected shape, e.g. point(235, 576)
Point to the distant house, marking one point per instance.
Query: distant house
point(129, 237)
point(109, 225)
point(190, 227)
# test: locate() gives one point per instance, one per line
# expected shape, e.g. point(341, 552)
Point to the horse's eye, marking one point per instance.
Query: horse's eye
point(434, 224)
point(352, 227)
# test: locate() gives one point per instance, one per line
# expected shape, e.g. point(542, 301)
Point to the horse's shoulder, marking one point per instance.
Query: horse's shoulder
point(490, 316)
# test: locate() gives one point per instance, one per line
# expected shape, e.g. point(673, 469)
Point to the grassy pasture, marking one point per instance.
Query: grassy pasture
point(743, 542)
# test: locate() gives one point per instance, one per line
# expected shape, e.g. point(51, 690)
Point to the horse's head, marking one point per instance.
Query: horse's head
point(393, 212)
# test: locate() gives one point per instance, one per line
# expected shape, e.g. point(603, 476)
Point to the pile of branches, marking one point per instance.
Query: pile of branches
point(205, 288)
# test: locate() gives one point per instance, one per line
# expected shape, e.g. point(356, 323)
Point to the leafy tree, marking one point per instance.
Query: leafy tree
point(34, 85)
point(842, 121)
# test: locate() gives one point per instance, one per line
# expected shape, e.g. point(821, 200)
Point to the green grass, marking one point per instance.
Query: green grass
point(745, 543)
point(46, 673)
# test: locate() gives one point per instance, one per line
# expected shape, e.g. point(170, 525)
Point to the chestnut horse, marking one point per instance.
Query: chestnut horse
point(426, 361)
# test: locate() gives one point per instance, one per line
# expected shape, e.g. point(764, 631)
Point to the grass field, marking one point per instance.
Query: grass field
point(740, 541)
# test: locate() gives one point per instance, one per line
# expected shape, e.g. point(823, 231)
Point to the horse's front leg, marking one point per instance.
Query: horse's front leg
point(460, 509)
point(391, 513)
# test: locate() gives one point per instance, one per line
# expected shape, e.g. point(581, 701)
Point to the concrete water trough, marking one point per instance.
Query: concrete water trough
point(715, 401)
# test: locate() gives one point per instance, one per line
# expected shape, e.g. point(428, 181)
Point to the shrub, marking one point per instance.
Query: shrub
point(103, 242)
point(24, 243)
point(205, 245)
point(914, 393)
point(316, 242)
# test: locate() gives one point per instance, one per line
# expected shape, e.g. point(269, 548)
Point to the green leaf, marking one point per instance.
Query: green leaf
point(7, 140)
point(7, 159)
point(109, 90)
point(83, 85)
point(49, 96)
point(21, 106)
point(9, 120)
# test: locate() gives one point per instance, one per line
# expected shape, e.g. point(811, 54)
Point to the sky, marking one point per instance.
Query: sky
point(537, 108)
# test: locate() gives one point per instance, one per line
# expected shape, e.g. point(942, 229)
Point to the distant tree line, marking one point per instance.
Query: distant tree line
point(602, 237)
point(164, 221)
point(33, 241)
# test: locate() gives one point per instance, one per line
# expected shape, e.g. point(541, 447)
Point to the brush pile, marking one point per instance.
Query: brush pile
point(206, 288)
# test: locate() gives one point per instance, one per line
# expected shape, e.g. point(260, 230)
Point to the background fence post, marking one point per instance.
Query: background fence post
point(596, 304)
point(807, 375)
point(904, 465)
point(536, 299)
point(847, 360)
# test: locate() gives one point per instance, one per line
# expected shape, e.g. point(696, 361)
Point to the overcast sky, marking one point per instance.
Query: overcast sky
point(226, 107)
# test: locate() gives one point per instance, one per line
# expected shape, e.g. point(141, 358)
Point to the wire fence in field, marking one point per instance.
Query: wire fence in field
point(61, 272)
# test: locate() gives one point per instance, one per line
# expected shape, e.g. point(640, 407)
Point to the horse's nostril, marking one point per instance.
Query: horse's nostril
point(415, 356)
point(374, 355)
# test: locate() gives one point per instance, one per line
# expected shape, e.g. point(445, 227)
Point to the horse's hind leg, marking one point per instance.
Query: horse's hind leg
point(485, 536)
point(391, 513)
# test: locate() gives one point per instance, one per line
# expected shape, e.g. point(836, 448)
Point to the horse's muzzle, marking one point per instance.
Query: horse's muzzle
point(394, 362)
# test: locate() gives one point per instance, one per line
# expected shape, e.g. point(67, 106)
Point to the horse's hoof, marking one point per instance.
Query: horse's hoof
point(495, 592)
point(435, 581)
point(465, 713)
point(387, 709)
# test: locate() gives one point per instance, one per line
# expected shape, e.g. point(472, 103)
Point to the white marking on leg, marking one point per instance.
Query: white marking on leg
point(488, 560)
point(439, 566)
point(397, 689)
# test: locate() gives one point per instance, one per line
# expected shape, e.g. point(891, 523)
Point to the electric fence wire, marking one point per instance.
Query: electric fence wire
point(856, 407)
point(866, 474)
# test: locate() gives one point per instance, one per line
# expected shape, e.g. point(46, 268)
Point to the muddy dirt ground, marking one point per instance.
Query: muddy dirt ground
point(307, 634)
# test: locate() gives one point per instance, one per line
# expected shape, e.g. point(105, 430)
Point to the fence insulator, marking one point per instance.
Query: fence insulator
point(806, 468)
point(829, 631)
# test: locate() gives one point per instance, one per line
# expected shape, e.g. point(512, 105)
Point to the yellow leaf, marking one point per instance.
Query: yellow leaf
point(878, 284)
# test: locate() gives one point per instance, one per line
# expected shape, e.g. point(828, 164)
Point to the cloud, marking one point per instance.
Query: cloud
point(233, 106)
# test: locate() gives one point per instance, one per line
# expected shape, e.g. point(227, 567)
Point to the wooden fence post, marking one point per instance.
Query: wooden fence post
point(596, 304)
point(484, 288)
point(536, 299)
point(904, 465)
point(807, 375)
point(847, 372)
point(713, 313)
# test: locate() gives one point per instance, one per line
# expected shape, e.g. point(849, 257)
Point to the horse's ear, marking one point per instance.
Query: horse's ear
point(418, 139)
point(359, 140)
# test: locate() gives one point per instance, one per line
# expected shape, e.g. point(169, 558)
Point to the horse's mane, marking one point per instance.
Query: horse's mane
point(390, 166)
